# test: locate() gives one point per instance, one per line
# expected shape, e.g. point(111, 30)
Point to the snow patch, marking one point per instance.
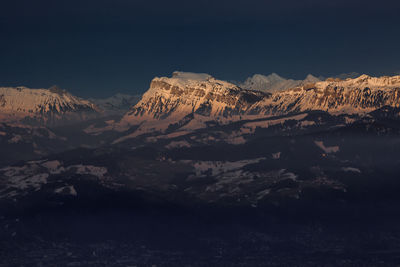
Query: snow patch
point(218, 167)
point(263, 193)
point(307, 123)
point(53, 166)
point(190, 76)
point(89, 169)
point(16, 139)
point(235, 140)
point(276, 155)
point(330, 149)
point(70, 190)
point(267, 123)
point(351, 169)
point(177, 144)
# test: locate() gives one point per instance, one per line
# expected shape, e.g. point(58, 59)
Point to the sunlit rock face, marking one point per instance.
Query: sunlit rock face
point(188, 93)
point(352, 96)
point(43, 106)
point(190, 101)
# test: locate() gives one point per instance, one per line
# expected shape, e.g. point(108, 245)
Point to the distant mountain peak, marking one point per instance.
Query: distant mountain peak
point(51, 105)
point(273, 77)
point(274, 82)
point(311, 77)
point(349, 75)
point(116, 104)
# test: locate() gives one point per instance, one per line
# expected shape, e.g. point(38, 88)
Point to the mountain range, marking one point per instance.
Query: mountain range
point(207, 159)
point(205, 129)
point(201, 94)
point(182, 104)
point(275, 83)
point(187, 101)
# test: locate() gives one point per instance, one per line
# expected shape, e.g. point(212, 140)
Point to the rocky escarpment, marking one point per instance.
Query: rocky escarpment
point(352, 96)
point(187, 93)
point(188, 101)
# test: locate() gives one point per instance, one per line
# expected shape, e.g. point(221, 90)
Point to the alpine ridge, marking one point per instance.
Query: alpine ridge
point(186, 93)
point(351, 96)
point(274, 83)
point(116, 104)
point(171, 99)
point(43, 106)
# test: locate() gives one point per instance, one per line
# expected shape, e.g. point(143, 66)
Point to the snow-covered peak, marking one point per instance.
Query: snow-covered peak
point(42, 105)
point(260, 82)
point(272, 78)
point(185, 79)
point(274, 82)
point(311, 79)
point(275, 77)
point(117, 103)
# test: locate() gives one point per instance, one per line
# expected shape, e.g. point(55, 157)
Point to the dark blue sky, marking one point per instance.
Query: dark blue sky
point(100, 47)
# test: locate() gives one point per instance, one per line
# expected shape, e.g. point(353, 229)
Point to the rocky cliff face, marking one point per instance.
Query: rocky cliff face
point(187, 93)
point(352, 96)
point(187, 102)
point(48, 106)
